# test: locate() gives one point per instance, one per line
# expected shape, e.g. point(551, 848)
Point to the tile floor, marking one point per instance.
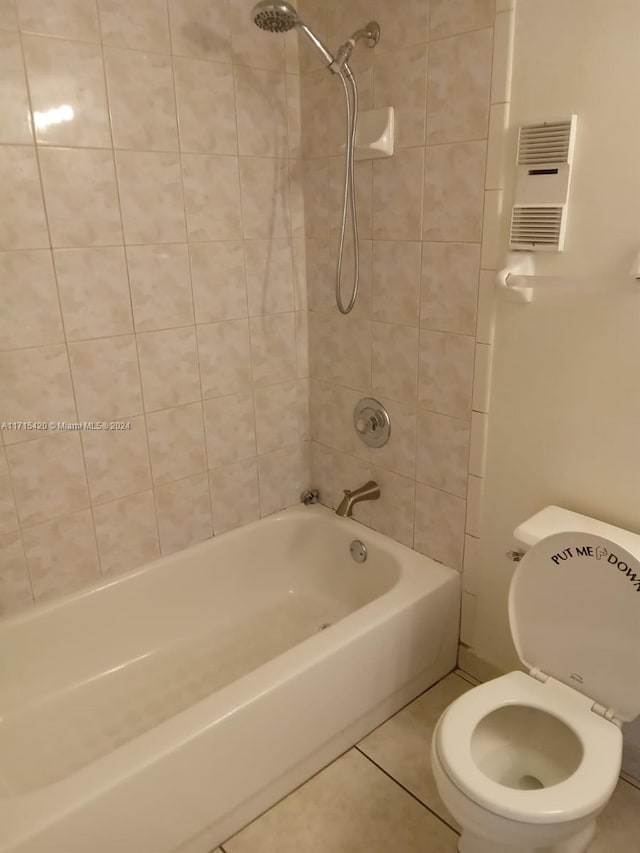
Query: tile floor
point(380, 797)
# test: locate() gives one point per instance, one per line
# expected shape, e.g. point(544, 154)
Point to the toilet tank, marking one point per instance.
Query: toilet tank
point(555, 519)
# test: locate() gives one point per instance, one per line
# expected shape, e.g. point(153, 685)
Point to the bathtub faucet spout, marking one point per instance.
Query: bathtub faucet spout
point(369, 492)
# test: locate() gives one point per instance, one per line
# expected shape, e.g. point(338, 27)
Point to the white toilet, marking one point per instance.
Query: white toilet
point(525, 763)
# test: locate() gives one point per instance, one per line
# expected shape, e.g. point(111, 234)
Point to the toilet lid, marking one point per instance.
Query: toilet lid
point(574, 611)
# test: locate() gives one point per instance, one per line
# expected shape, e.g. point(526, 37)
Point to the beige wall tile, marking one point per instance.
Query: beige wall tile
point(8, 512)
point(320, 273)
point(117, 461)
point(141, 99)
point(314, 102)
point(321, 412)
point(22, 219)
point(61, 554)
point(276, 409)
point(176, 443)
point(160, 286)
point(397, 195)
point(392, 514)
point(294, 115)
point(280, 475)
point(200, 28)
point(439, 526)
point(16, 123)
point(151, 197)
point(394, 361)
point(449, 293)
point(81, 197)
point(206, 106)
point(212, 197)
point(343, 18)
point(36, 386)
point(317, 191)
point(273, 348)
point(459, 84)
point(67, 73)
point(453, 197)
point(403, 22)
point(345, 437)
point(321, 472)
point(234, 495)
point(94, 292)
point(169, 367)
point(48, 477)
point(184, 513)
point(269, 276)
point(127, 533)
point(443, 452)
point(396, 282)
point(15, 587)
point(399, 453)
point(230, 429)
point(401, 82)
point(321, 330)
point(458, 16)
point(225, 357)
point(30, 315)
point(364, 198)
point(264, 183)
point(446, 373)
point(302, 343)
point(352, 351)
point(106, 378)
point(261, 102)
point(219, 280)
point(142, 25)
point(249, 45)
point(8, 15)
point(73, 19)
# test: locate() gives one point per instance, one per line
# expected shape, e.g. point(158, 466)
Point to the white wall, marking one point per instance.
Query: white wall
point(565, 400)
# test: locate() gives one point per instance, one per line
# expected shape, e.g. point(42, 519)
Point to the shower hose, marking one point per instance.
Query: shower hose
point(348, 196)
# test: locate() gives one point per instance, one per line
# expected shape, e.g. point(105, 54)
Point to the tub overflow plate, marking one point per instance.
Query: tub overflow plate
point(358, 551)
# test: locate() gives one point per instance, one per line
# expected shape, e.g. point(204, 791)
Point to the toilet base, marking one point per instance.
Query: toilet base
point(579, 843)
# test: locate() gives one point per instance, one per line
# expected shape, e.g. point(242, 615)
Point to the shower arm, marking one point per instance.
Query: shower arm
point(370, 33)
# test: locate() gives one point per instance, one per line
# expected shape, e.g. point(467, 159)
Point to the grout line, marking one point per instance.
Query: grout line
point(407, 790)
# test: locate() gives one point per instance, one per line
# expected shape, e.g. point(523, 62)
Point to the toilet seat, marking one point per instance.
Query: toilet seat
point(582, 793)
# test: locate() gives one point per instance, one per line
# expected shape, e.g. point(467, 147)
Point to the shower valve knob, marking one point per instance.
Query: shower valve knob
point(371, 422)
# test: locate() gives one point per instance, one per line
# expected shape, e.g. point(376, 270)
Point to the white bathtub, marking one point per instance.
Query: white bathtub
point(164, 710)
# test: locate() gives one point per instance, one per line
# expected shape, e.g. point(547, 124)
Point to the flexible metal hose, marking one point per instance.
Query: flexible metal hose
point(349, 194)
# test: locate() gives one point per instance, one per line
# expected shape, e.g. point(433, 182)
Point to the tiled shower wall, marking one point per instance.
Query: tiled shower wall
point(411, 340)
point(146, 261)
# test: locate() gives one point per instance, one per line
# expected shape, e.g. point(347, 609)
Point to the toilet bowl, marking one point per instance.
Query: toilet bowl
point(526, 762)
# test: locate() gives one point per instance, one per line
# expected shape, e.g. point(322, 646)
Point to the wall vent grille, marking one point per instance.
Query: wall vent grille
point(539, 228)
point(549, 142)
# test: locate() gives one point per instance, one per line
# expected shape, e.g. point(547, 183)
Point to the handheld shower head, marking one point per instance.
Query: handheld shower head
point(282, 17)
point(275, 17)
